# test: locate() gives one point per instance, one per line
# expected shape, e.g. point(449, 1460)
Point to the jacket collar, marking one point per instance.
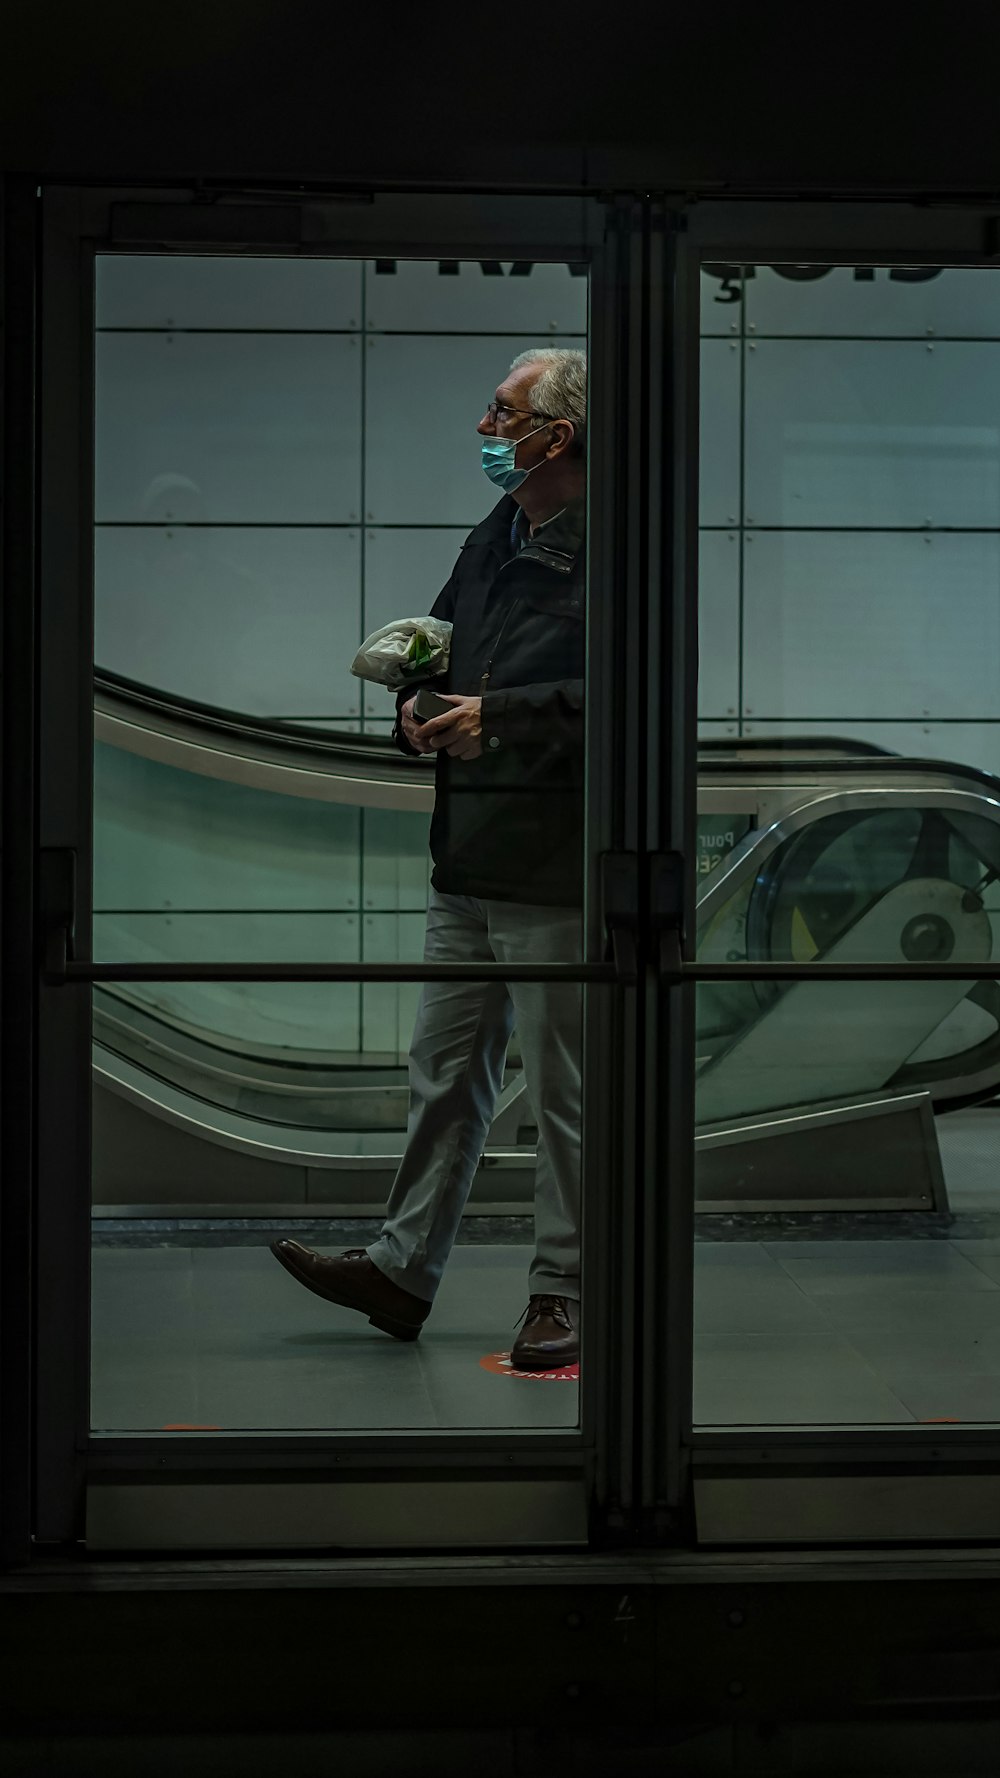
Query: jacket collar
point(555, 546)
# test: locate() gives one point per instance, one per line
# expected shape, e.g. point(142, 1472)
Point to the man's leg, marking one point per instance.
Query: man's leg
point(456, 1073)
point(548, 1018)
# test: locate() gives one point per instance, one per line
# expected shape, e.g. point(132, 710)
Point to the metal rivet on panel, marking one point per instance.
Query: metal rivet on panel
point(371, 515)
point(752, 325)
point(929, 348)
point(733, 347)
point(929, 330)
point(752, 346)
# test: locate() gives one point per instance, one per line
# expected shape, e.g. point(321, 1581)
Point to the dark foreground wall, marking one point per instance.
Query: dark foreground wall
point(301, 1670)
point(718, 95)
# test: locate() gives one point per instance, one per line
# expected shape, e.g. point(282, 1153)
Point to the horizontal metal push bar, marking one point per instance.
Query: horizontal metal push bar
point(334, 972)
point(671, 975)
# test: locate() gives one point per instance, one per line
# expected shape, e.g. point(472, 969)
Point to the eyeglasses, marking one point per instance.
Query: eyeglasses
point(493, 408)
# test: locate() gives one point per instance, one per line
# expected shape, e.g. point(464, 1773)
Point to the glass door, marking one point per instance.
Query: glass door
point(332, 1090)
point(834, 1023)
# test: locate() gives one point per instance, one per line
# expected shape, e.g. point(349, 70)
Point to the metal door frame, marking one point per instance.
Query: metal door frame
point(45, 1231)
point(767, 1486)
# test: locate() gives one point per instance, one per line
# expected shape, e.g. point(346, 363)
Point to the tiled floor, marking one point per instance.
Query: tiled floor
point(788, 1332)
point(223, 1337)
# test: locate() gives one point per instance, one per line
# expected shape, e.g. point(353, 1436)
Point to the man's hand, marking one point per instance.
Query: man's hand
point(415, 732)
point(458, 731)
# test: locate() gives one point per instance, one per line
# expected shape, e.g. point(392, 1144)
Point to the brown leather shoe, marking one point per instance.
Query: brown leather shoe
point(355, 1282)
point(550, 1336)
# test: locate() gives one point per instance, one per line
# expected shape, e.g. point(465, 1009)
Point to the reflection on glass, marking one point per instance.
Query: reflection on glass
point(251, 804)
point(847, 1259)
point(845, 1265)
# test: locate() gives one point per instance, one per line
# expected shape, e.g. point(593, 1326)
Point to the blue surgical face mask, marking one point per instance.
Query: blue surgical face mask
point(498, 461)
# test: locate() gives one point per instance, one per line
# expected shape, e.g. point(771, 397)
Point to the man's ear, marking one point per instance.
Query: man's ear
point(564, 433)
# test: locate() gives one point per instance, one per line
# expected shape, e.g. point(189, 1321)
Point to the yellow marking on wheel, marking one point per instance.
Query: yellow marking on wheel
point(804, 946)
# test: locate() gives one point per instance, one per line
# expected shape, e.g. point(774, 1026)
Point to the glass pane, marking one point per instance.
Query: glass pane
point(287, 460)
point(849, 593)
point(844, 1158)
point(847, 1256)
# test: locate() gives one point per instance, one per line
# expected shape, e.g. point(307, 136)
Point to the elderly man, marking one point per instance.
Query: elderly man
point(506, 838)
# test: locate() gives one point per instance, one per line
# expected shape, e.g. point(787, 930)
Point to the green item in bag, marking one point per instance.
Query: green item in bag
point(420, 650)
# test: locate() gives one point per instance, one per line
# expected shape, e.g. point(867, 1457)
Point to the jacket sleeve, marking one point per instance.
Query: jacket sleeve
point(548, 713)
point(444, 608)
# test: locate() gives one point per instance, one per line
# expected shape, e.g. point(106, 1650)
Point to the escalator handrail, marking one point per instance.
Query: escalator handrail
point(360, 770)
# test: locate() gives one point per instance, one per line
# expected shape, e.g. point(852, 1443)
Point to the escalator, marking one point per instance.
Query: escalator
point(822, 850)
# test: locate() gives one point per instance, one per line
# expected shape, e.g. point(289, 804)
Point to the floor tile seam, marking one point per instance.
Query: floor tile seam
point(800, 1287)
point(977, 1267)
point(881, 1379)
point(814, 1295)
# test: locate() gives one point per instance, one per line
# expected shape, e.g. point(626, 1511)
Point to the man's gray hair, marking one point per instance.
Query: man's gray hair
point(561, 390)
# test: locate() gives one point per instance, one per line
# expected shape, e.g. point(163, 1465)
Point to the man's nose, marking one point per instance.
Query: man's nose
point(486, 425)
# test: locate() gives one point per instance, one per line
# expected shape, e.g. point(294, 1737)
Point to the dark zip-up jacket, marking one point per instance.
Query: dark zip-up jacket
point(509, 825)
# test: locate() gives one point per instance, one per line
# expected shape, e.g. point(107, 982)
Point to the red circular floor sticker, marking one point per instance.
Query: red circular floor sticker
point(499, 1363)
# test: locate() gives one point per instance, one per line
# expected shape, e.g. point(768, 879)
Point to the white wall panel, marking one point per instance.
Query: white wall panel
point(405, 569)
point(966, 743)
point(956, 300)
point(244, 618)
point(395, 859)
point(194, 290)
point(720, 433)
point(867, 624)
point(425, 398)
point(718, 623)
point(417, 298)
point(879, 433)
point(242, 428)
point(389, 1008)
point(171, 840)
point(719, 315)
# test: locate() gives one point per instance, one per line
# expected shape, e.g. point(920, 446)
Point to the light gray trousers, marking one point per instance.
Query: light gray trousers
point(456, 1073)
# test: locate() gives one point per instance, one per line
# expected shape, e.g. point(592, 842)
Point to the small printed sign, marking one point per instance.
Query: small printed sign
point(717, 835)
point(499, 1363)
